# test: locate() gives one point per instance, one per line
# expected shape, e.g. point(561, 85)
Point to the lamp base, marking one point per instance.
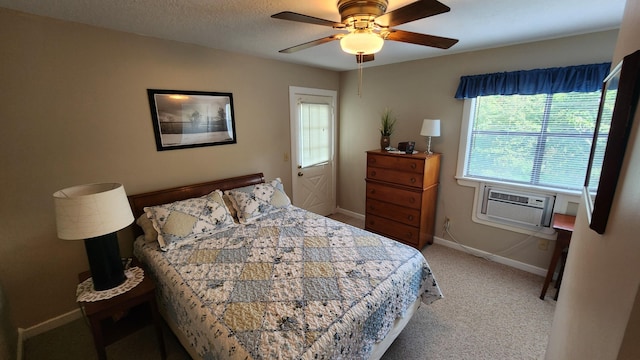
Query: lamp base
point(104, 261)
point(429, 146)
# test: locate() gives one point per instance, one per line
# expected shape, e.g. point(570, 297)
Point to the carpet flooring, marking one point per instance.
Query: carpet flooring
point(490, 311)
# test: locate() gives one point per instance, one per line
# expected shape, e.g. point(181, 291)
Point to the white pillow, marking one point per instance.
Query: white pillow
point(254, 201)
point(184, 221)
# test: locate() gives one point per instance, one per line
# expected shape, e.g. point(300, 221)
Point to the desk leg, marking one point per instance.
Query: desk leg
point(562, 265)
point(557, 252)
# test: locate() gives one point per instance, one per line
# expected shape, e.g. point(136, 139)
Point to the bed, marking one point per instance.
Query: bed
point(268, 280)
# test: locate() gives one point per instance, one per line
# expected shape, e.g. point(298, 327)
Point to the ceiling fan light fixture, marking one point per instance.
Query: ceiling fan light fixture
point(361, 42)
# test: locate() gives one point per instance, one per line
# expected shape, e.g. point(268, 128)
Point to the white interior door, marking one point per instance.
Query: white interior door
point(313, 149)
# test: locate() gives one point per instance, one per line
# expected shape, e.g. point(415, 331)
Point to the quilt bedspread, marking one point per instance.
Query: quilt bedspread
point(292, 285)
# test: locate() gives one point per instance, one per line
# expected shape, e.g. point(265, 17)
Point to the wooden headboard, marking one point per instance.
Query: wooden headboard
point(139, 201)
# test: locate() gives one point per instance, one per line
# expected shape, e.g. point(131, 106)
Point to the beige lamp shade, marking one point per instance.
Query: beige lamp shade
point(88, 211)
point(430, 127)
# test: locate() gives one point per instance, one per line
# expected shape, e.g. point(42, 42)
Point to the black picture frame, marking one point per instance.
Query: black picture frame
point(188, 119)
point(622, 89)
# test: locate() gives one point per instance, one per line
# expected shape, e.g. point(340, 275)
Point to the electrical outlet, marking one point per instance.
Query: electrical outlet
point(543, 244)
point(447, 224)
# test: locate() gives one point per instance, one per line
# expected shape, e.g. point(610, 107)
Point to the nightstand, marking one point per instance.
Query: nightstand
point(114, 318)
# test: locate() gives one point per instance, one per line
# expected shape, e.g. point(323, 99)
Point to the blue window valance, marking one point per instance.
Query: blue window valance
point(580, 78)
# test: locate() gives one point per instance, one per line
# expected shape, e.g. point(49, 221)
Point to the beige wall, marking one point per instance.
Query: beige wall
point(597, 315)
point(425, 89)
point(74, 110)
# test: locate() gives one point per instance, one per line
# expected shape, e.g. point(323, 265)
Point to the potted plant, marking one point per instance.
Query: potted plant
point(387, 122)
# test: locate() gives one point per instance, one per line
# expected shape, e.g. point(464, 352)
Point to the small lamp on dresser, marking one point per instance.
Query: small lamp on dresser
point(430, 128)
point(94, 213)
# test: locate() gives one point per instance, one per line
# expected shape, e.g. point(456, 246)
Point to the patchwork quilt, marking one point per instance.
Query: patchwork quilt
point(291, 285)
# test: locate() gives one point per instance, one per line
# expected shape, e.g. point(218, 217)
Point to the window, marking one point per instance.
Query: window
point(542, 140)
point(315, 134)
point(523, 128)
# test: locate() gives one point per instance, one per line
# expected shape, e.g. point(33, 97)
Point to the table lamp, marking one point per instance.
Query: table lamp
point(430, 128)
point(94, 212)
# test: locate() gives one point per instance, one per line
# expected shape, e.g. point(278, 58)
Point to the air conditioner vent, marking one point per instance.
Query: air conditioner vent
point(509, 197)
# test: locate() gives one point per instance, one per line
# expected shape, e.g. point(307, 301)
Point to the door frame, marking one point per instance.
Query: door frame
point(294, 92)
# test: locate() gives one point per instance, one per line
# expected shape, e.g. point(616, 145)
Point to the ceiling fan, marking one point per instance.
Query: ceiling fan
point(368, 24)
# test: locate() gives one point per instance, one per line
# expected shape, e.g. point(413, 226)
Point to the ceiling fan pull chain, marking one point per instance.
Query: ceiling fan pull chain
point(360, 55)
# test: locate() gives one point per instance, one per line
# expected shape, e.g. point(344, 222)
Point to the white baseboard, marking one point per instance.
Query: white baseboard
point(25, 334)
point(499, 259)
point(48, 325)
point(451, 244)
point(350, 213)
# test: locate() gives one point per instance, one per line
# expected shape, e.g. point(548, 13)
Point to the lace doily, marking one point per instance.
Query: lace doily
point(85, 291)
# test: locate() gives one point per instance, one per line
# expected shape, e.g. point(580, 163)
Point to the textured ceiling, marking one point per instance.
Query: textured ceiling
point(245, 26)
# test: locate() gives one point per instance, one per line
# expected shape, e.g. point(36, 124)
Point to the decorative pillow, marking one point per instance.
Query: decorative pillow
point(184, 221)
point(254, 201)
point(150, 234)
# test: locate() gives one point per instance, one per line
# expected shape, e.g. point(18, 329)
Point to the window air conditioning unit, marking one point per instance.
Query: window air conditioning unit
point(517, 208)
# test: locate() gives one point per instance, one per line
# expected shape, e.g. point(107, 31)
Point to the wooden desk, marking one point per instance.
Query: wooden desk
point(563, 224)
point(115, 318)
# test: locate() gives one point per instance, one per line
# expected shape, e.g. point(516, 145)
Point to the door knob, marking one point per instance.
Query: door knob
point(300, 173)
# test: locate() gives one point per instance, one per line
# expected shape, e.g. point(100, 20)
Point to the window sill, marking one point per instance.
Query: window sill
point(472, 182)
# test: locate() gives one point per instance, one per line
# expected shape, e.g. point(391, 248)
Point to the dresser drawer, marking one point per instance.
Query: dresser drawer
point(398, 213)
point(399, 163)
point(404, 233)
point(390, 194)
point(395, 177)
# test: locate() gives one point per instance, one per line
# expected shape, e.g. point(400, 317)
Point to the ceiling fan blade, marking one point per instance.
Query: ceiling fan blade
point(360, 58)
point(414, 11)
point(311, 44)
point(288, 15)
point(420, 39)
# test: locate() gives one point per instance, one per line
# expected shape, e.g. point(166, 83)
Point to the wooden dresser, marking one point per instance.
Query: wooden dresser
point(401, 196)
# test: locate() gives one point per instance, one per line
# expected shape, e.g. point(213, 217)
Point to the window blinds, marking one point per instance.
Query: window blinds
point(542, 140)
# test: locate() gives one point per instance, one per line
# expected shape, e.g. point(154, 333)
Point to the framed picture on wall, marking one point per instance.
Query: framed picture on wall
point(618, 103)
point(187, 119)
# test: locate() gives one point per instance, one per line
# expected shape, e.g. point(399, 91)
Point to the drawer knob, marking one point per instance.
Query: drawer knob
point(410, 217)
point(413, 180)
point(373, 191)
point(373, 173)
point(412, 200)
point(409, 235)
point(413, 166)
